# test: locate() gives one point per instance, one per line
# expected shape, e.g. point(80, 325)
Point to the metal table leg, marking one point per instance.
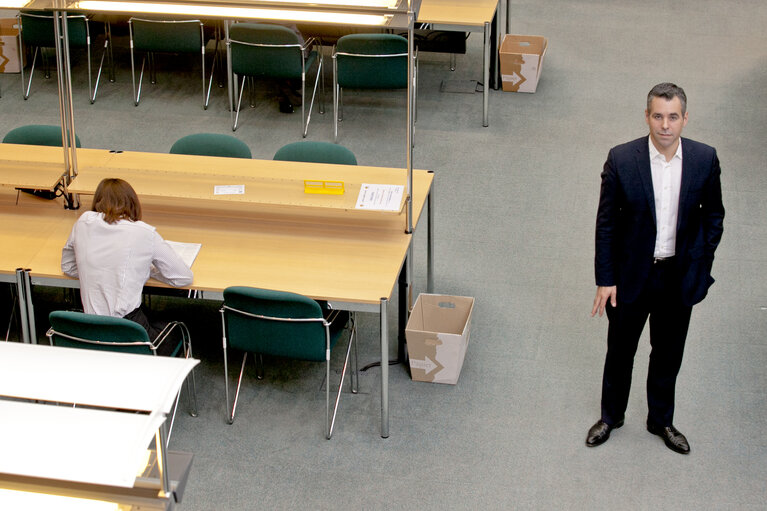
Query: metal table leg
point(384, 371)
point(486, 77)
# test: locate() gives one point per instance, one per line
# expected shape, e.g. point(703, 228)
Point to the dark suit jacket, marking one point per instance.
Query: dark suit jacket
point(626, 224)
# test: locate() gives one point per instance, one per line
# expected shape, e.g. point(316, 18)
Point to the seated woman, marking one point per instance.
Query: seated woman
point(114, 253)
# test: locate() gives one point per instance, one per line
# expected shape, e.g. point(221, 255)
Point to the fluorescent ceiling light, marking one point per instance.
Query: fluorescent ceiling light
point(12, 499)
point(388, 4)
point(13, 4)
point(231, 12)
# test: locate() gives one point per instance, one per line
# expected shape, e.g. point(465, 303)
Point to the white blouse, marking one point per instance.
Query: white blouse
point(114, 261)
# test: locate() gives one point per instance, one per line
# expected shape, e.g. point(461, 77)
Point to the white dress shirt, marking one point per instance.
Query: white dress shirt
point(114, 261)
point(666, 183)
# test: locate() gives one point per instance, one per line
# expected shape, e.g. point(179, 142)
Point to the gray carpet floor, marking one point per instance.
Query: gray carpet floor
point(515, 210)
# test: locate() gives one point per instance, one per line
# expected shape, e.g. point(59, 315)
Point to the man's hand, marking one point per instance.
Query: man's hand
point(600, 301)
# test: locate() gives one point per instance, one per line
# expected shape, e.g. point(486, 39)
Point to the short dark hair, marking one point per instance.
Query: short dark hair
point(117, 200)
point(668, 91)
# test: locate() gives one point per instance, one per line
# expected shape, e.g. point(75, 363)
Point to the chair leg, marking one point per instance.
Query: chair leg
point(111, 58)
point(25, 91)
point(335, 100)
point(202, 66)
point(259, 366)
point(239, 102)
point(98, 74)
point(332, 422)
point(152, 68)
point(322, 83)
point(191, 385)
point(314, 94)
point(212, 72)
point(355, 374)
point(91, 94)
point(230, 419)
point(230, 414)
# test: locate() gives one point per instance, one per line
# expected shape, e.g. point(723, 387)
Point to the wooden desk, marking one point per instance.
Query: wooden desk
point(469, 16)
point(326, 251)
point(267, 182)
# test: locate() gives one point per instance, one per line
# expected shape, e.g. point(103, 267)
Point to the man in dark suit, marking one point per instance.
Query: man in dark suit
point(658, 224)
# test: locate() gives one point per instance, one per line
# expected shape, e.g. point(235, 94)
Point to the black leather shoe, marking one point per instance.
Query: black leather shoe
point(671, 436)
point(600, 432)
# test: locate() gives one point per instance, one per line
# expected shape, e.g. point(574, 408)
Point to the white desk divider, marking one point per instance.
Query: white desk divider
point(90, 377)
point(49, 445)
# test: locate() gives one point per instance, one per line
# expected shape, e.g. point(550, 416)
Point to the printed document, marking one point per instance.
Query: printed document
point(380, 197)
point(187, 251)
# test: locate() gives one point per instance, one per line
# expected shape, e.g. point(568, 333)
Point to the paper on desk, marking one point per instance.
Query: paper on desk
point(228, 189)
point(186, 251)
point(380, 197)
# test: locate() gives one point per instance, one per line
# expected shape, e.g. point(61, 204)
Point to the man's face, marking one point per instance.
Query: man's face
point(666, 121)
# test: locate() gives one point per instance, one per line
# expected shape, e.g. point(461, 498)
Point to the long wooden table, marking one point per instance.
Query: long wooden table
point(469, 16)
point(273, 236)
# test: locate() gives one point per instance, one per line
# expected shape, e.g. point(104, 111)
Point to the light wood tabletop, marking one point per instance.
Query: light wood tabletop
point(26, 229)
point(324, 252)
point(265, 182)
point(39, 167)
point(457, 12)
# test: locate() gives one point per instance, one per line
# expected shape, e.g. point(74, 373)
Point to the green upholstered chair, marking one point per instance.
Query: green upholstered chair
point(367, 61)
point(259, 50)
point(78, 330)
point(167, 36)
point(316, 152)
point(284, 324)
point(37, 134)
point(37, 31)
point(211, 144)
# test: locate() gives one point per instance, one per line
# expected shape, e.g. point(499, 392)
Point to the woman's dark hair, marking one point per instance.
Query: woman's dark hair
point(117, 200)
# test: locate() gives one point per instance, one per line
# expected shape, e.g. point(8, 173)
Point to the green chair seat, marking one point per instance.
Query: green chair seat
point(37, 134)
point(211, 144)
point(316, 152)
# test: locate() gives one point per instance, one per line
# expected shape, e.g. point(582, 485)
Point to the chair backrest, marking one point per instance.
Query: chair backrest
point(172, 36)
point(79, 330)
point(372, 61)
point(316, 152)
point(260, 49)
point(278, 329)
point(37, 134)
point(37, 29)
point(211, 144)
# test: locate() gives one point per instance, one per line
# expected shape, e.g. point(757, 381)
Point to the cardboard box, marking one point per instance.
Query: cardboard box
point(521, 62)
point(9, 45)
point(437, 335)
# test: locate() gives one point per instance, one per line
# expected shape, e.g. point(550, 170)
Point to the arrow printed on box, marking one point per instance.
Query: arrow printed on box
point(427, 364)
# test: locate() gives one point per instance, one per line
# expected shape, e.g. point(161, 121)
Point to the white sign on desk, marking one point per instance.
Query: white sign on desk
point(380, 197)
point(229, 190)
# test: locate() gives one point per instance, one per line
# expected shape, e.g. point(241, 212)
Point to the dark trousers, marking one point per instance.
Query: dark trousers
point(669, 320)
point(153, 328)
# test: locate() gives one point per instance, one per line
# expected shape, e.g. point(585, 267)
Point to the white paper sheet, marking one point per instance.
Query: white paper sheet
point(186, 251)
point(380, 197)
point(228, 189)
